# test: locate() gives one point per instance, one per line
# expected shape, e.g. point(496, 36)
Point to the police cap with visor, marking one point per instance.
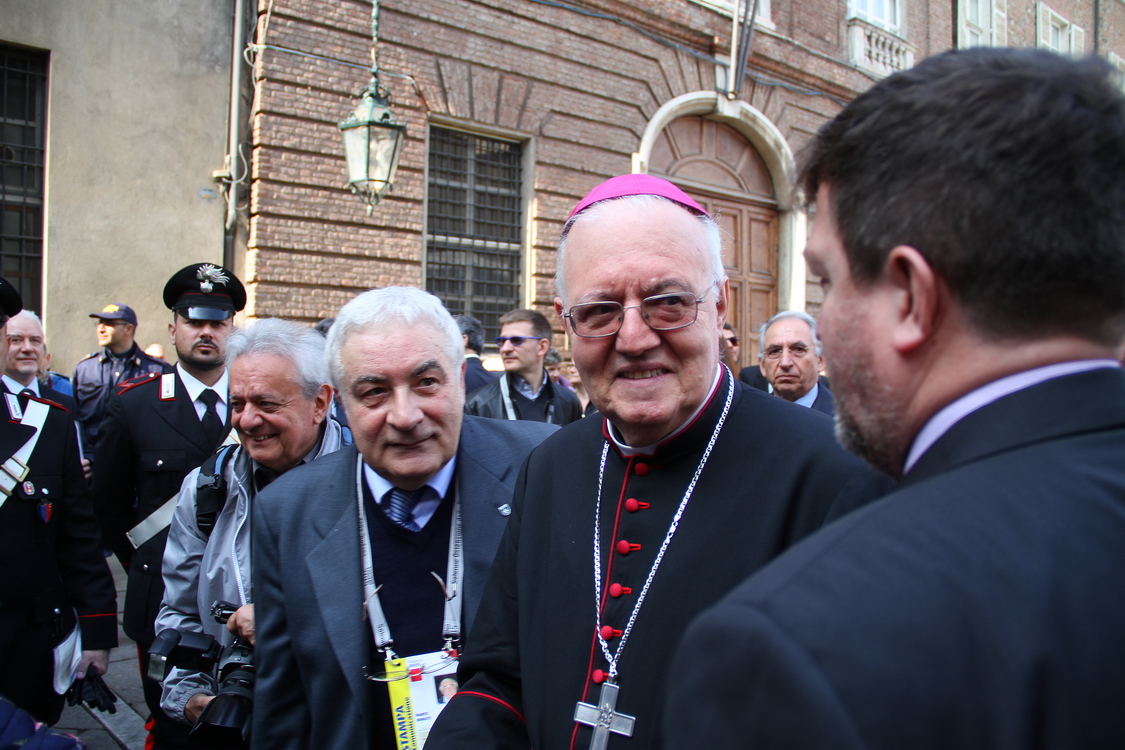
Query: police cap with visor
point(204, 291)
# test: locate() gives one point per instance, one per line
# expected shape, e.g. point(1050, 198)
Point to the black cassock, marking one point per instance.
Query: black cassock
point(775, 474)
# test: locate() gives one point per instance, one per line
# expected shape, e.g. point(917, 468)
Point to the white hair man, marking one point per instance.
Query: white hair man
point(279, 398)
point(650, 514)
point(789, 353)
point(405, 523)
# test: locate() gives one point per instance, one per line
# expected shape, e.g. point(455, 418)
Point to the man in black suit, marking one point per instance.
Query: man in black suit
point(472, 333)
point(970, 237)
point(156, 430)
point(789, 353)
point(53, 576)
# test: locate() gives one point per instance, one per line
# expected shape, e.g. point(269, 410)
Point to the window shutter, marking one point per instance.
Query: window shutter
point(1077, 40)
point(1043, 25)
point(1000, 23)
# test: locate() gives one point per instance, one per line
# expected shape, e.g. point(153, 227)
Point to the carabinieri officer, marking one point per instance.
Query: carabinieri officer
point(155, 431)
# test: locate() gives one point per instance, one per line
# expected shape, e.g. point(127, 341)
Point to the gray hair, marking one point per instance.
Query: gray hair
point(302, 346)
point(713, 234)
point(30, 316)
point(382, 309)
point(786, 315)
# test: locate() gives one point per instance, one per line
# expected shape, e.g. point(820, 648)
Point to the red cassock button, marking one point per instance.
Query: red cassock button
point(598, 676)
point(624, 547)
point(641, 469)
point(616, 590)
point(607, 632)
point(633, 505)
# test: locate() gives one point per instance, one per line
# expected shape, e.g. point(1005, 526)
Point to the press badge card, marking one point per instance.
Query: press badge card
point(418, 698)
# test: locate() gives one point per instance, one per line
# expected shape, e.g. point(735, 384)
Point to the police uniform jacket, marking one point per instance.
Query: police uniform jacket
point(50, 554)
point(774, 475)
point(96, 378)
point(147, 446)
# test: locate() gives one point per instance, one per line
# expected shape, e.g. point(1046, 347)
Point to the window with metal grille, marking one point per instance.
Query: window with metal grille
point(23, 110)
point(474, 225)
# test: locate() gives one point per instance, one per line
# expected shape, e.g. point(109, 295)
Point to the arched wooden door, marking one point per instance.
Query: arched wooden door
point(720, 168)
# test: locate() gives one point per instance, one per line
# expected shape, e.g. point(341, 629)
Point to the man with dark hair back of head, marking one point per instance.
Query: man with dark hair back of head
point(472, 333)
point(651, 510)
point(970, 239)
point(525, 391)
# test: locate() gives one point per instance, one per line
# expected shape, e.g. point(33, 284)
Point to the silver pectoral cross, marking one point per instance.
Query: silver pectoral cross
point(603, 718)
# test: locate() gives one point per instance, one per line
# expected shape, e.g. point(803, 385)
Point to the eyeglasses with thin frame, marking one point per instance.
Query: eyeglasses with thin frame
point(517, 341)
point(662, 312)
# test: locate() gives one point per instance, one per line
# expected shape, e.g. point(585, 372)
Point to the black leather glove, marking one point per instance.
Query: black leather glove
point(92, 691)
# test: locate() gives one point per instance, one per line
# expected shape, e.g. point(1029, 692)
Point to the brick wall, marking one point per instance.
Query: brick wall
point(579, 86)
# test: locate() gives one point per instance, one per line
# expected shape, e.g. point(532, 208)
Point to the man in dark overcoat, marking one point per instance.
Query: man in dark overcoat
point(626, 526)
point(53, 576)
point(970, 238)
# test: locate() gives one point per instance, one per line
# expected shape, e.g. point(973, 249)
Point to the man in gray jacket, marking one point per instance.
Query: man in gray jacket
point(279, 398)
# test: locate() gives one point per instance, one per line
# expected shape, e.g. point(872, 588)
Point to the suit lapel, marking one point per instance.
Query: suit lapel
point(335, 570)
point(181, 417)
point(481, 470)
point(1056, 408)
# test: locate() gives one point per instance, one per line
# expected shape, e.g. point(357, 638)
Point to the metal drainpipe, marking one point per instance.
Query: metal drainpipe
point(234, 164)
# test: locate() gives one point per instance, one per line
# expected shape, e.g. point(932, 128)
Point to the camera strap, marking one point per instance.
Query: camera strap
point(373, 610)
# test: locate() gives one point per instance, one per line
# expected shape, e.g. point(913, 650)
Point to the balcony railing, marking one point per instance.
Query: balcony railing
point(877, 50)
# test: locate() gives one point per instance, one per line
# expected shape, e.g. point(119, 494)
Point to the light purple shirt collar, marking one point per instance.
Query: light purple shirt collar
point(952, 413)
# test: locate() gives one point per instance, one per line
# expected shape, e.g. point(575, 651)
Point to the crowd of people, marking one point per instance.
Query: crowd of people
point(383, 544)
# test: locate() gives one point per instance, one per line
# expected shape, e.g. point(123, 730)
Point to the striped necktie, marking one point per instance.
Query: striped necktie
point(399, 505)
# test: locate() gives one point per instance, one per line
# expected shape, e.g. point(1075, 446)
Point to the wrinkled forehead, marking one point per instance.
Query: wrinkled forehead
point(672, 241)
point(21, 326)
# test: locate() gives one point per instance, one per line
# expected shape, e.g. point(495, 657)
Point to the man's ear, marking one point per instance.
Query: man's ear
point(721, 303)
point(916, 295)
point(172, 333)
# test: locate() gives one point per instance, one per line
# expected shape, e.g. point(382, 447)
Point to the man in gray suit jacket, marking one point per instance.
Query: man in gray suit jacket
point(369, 564)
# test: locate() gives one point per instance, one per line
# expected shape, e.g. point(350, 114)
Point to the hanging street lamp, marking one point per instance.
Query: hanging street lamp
point(372, 138)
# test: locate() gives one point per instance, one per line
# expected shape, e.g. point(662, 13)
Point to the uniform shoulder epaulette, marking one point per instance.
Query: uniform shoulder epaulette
point(48, 402)
point(129, 385)
point(91, 355)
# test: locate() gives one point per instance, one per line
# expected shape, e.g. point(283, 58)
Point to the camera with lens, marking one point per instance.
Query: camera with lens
point(225, 722)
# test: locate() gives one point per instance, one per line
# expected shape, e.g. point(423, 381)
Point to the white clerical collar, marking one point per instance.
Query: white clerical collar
point(425, 509)
point(195, 387)
point(16, 387)
point(648, 450)
point(807, 400)
point(952, 413)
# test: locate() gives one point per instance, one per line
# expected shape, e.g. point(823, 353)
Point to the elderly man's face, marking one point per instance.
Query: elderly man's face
point(277, 425)
point(646, 382)
point(869, 408)
point(403, 397)
point(789, 360)
point(26, 351)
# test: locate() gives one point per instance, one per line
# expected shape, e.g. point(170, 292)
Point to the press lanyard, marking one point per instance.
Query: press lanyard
point(451, 624)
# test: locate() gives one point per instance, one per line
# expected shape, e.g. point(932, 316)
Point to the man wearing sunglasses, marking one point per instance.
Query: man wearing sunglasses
point(525, 391)
point(624, 528)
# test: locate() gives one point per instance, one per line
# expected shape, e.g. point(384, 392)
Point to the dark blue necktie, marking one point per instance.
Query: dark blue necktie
point(399, 506)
